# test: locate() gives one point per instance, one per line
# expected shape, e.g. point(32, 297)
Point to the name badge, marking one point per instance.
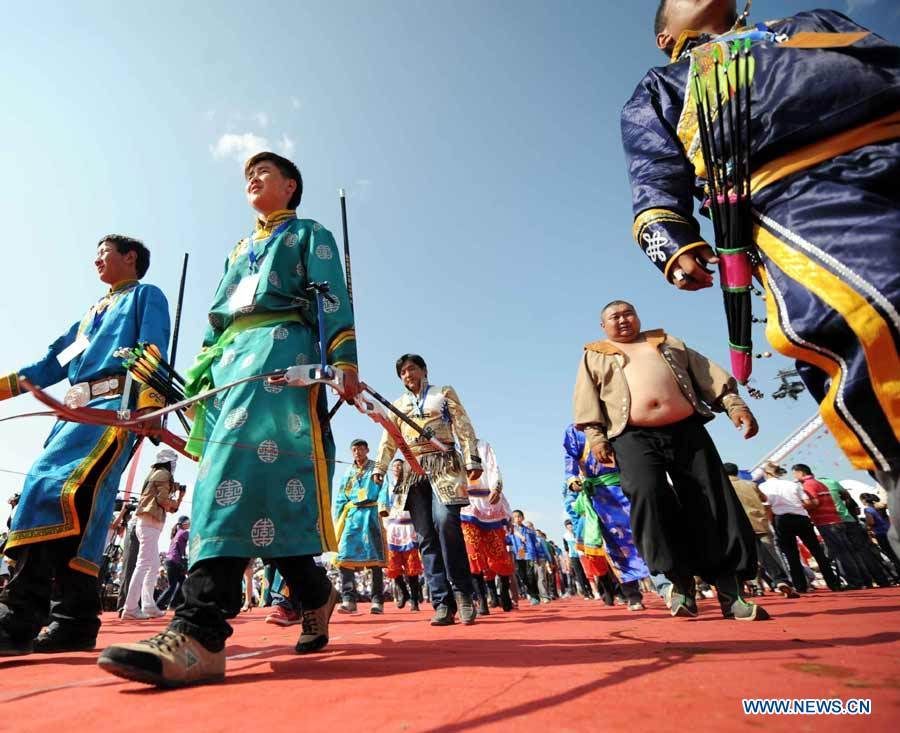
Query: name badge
point(245, 293)
point(74, 349)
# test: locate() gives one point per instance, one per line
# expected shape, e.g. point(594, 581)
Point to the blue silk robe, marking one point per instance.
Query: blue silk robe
point(77, 454)
point(612, 507)
point(358, 503)
point(825, 161)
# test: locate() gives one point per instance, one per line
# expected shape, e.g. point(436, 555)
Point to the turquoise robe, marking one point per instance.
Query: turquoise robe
point(359, 529)
point(76, 454)
point(266, 461)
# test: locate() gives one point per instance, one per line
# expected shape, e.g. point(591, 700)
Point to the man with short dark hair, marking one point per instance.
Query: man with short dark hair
point(59, 531)
point(528, 552)
point(273, 501)
point(436, 499)
point(824, 515)
point(359, 504)
point(821, 150)
point(641, 398)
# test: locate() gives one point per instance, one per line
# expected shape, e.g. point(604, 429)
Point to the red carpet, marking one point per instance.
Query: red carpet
point(570, 666)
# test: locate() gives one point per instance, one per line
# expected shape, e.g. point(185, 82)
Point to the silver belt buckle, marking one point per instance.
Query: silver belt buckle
point(107, 385)
point(77, 396)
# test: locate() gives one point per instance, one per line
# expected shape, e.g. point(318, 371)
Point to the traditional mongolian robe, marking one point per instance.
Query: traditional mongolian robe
point(266, 451)
point(825, 162)
point(603, 508)
point(484, 524)
point(77, 455)
point(358, 504)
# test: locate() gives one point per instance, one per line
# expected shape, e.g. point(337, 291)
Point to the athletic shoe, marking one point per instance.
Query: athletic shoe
point(443, 616)
point(347, 607)
point(636, 606)
point(281, 616)
point(377, 608)
point(787, 591)
point(466, 608)
point(315, 626)
point(153, 612)
point(534, 601)
point(136, 615)
point(168, 659)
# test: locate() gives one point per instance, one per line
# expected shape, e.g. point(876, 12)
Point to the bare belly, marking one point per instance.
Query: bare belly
point(655, 397)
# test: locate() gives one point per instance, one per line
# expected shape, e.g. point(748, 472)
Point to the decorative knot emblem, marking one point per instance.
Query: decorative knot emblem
point(655, 242)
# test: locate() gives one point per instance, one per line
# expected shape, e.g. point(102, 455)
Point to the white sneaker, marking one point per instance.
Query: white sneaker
point(153, 612)
point(135, 615)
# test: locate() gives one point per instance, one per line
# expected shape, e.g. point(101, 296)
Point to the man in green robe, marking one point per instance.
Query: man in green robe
point(266, 451)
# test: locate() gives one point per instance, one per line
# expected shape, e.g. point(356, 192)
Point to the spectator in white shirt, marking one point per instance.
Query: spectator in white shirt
point(791, 521)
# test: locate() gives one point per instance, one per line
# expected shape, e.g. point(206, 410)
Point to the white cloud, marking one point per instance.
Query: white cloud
point(238, 146)
point(286, 146)
point(262, 119)
point(854, 5)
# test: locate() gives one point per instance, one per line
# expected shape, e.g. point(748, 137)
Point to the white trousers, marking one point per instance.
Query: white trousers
point(146, 568)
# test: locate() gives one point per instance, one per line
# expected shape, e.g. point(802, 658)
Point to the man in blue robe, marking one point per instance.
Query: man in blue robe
point(359, 504)
point(60, 527)
point(824, 165)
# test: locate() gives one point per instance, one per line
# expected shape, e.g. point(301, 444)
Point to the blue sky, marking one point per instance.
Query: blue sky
point(479, 143)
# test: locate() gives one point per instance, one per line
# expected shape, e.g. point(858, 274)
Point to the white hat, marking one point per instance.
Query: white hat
point(166, 455)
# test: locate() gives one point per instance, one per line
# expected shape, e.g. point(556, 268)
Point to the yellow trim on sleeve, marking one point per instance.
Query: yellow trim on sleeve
point(9, 386)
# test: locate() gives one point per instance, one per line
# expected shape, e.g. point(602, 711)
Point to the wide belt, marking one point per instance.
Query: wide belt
point(82, 393)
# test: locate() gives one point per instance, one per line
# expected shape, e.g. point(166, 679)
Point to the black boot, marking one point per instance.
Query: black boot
point(481, 590)
point(505, 600)
point(493, 598)
point(402, 591)
point(57, 638)
point(415, 594)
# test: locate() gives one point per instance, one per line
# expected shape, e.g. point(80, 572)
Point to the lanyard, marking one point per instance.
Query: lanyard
point(254, 258)
point(420, 401)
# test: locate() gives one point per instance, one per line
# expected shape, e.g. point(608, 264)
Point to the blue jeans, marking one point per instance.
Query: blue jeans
point(441, 544)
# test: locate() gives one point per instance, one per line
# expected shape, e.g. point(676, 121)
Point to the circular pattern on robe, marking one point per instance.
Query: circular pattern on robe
point(301, 359)
point(215, 320)
point(248, 308)
point(272, 388)
point(300, 269)
point(263, 532)
point(203, 471)
point(333, 305)
point(229, 291)
point(295, 423)
point(268, 451)
point(217, 400)
point(280, 333)
point(236, 418)
point(274, 279)
point(295, 490)
point(229, 492)
point(247, 361)
point(324, 252)
point(228, 358)
point(195, 544)
point(291, 240)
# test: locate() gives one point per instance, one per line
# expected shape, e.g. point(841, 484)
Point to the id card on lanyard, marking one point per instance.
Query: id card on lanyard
point(82, 339)
point(245, 294)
